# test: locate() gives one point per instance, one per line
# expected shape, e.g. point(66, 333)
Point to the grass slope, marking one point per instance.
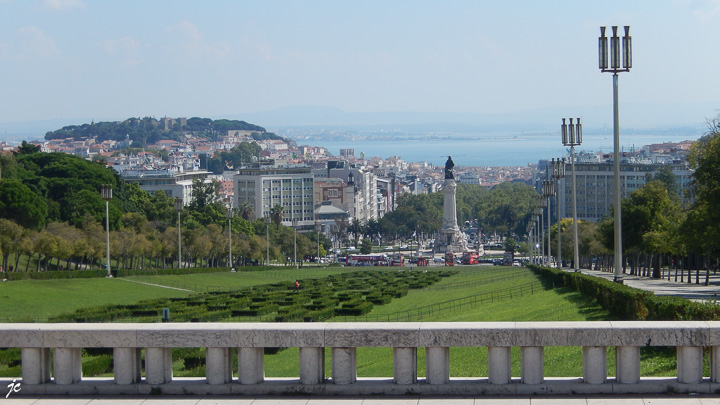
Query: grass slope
point(37, 300)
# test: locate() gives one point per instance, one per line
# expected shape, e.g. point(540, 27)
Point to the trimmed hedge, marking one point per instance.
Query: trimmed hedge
point(630, 303)
point(52, 275)
point(347, 294)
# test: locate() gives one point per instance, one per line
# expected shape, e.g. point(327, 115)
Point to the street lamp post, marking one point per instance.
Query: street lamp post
point(106, 193)
point(267, 235)
point(615, 61)
point(542, 203)
point(295, 222)
point(229, 216)
point(548, 191)
point(317, 231)
point(572, 136)
point(558, 172)
point(179, 208)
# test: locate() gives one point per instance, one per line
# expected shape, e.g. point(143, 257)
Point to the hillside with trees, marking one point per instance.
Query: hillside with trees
point(52, 217)
point(148, 130)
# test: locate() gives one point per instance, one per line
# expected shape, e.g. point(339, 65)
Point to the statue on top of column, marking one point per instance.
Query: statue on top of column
point(449, 168)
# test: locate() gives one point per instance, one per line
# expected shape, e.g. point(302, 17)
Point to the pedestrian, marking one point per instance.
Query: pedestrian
point(297, 285)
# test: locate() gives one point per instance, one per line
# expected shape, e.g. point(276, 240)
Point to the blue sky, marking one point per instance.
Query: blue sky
point(110, 60)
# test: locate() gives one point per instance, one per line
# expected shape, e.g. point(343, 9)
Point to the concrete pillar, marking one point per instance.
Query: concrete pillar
point(218, 365)
point(405, 365)
point(67, 365)
point(532, 369)
point(312, 365)
point(158, 365)
point(627, 364)
point(35, 365)
point(594, 364)
point(689, 364)
point(344, 365)
point(715, 364)
point(437, 365)
point(499, 364)
point(251, 366)
point(127, 365)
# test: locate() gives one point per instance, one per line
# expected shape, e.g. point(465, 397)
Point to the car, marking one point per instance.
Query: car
point(439, 260)
point(403, 246)
point(516, 263)
point(389, 248)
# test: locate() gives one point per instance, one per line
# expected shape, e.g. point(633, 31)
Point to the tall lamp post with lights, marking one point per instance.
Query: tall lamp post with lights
point(542, 203)
point(558, 172)
point(295, 224)
point(615, 62)
point(179, 208)
point(267, 235)
point(229, 217)
point(572, 136)
point(548, 191)
point(106, 194)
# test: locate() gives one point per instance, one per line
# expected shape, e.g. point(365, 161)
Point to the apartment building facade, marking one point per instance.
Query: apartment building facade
point(264, 186)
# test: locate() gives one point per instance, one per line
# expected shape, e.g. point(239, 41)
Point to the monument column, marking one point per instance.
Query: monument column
point(453, 238)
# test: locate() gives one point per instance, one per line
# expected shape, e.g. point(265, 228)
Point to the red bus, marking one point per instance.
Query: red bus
point(398, 259)
point(470, 258)
point(374, 259)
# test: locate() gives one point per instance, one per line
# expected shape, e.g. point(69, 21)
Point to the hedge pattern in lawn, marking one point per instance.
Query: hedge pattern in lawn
point(631, 303)
point(347, 294)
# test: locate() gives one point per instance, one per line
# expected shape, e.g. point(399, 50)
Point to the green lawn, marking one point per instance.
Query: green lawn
point(37, 300)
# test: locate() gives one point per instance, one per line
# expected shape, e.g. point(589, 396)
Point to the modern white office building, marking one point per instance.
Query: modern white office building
point(264, 186)
point(595, 185)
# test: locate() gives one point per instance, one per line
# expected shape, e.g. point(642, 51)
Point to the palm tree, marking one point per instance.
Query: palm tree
point(276, 214)
point(356, 229)
point(246, 210)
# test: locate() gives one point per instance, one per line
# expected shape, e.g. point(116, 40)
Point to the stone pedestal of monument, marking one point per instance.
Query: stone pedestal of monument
point(452, 239)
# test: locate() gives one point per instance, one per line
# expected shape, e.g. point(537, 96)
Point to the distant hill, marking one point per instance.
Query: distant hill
point(149, 130)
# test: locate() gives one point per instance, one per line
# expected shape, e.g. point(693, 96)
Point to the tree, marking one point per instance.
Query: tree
point(22, 205)
point(355, 229)
point(276, 214)
point(206, 206)
point(246, 211)
point(10, 234)
point(26, 148)
point(366, 246)
point(507, 208)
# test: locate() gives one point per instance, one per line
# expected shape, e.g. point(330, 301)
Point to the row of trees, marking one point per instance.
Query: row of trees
point(51, 210)
point(504, 209)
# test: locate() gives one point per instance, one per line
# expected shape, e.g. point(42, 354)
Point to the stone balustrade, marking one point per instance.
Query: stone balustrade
point(51, 357)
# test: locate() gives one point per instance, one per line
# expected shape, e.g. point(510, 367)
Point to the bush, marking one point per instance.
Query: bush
point(356, 309)
point(52, 275)
point(97, 366)
point(630, 303)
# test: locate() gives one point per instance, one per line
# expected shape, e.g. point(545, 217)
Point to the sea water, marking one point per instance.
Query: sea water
point(488, 150)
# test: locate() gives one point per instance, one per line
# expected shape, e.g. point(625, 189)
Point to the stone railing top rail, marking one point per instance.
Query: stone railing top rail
point(332, 334)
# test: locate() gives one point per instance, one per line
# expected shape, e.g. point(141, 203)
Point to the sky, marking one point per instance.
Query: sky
point(111, 60)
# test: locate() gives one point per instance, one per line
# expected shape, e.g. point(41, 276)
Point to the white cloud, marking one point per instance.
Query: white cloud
point(37, 42)
point(126, 48)
point(707, 10)
point(61, 5)
point(190, 41)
